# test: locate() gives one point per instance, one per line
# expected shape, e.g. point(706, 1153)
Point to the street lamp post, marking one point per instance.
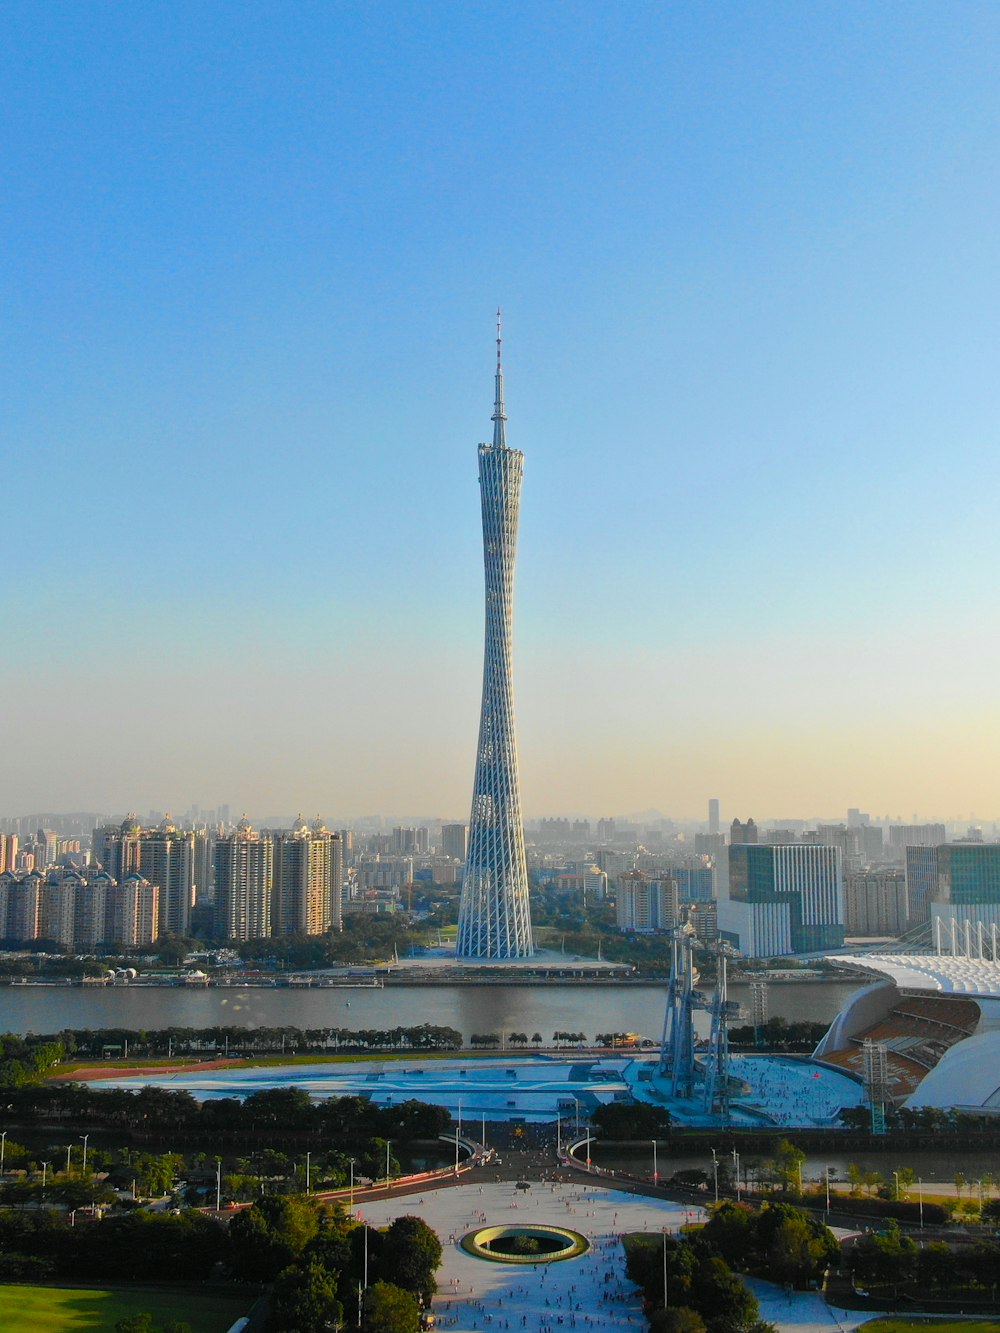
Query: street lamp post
point(3, 1146)
point(828, 1191)
point(588, 1149)
point(715, 1174)
point(308, 1156)
point(736, 1164)
point(387, 1142)
point(895, 1177)
point(576, 1105)
point(218, 1183)
point(45, 1168)
point(68, 1149)
point(351, 1205)
point(558, 1138)
point(85, 1137)
point(665, 1302)
point(920, 1197)
point(656, 1174)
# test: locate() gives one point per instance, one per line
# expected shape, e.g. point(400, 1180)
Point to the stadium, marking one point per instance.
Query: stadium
point(937, 1019)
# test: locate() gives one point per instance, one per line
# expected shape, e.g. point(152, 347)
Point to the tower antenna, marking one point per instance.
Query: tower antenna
point(499, 416)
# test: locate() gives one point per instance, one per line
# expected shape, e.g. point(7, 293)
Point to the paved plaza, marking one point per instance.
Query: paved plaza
point(591, 1292)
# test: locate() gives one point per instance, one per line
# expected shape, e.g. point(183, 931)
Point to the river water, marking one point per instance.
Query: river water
point(599, 1007)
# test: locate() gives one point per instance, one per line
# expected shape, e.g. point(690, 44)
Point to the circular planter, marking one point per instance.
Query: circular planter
point(537, 1244)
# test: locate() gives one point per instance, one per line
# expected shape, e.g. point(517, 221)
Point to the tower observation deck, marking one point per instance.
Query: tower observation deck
point(494, 920)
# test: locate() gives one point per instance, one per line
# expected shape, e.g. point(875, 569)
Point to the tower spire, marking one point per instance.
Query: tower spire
point(499, 416)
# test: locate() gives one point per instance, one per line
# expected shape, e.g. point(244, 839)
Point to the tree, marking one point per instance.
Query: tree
point(304, 1299)
point(885, 1259)
point(389, 1309)
point(620, 1120)
point(936, 1265)
point(730, 1232)
point(787, 1166)
point(676, 1319)
point(724, 1301)
point(793, 1247)
point(411, 1255)
point(270, 1236)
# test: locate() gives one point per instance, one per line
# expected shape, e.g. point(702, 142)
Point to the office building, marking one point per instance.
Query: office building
point(783, 900)
point(968, 884)
point(713, 816)
point(921, 884)
point(494, 919)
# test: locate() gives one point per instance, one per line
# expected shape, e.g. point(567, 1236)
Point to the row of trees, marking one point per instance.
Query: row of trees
point(138, 1246)
point(94, 1043)
point(778, 1034)
point(920, 1120)
point(23, 1060)
point(273, 1115)
point(891, 1259)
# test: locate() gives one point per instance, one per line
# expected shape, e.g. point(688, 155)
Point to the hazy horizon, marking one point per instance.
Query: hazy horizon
point(748, 264)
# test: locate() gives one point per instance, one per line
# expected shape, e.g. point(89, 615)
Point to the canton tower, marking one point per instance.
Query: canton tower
point(493, 919)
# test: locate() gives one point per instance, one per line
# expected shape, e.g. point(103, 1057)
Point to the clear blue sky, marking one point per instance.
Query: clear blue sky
point(749, 265)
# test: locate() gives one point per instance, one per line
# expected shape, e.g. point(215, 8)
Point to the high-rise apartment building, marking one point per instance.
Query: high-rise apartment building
point(244, 884)
point(455, 841)
point(783, 900)
point(494, 919)
point(713, 816)
point(24, 905)
point(308, 880)
point(916, 835)
point(8, 852)
point(646, 903)
point(875, 903)
point(164, 855)
point(132, 911)
point(742, 833)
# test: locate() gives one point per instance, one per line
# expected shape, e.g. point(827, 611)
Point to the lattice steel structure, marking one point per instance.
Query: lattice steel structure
point(876, 1075)
point(494, 919)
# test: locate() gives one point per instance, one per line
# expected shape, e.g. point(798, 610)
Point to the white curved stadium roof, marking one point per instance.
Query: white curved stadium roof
point(931, 972)
point(967, 1076)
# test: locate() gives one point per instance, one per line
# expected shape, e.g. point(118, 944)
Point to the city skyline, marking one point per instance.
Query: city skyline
point(748, 263)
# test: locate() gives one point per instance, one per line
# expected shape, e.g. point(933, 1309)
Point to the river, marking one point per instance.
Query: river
point(598, 1007)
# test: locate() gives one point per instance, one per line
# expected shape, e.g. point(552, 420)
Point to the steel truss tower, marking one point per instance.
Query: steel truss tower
point(493, 919)
point(677, 1042)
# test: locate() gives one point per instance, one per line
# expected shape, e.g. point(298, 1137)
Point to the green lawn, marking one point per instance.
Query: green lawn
point(53, 1309)
point(943, 1325)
